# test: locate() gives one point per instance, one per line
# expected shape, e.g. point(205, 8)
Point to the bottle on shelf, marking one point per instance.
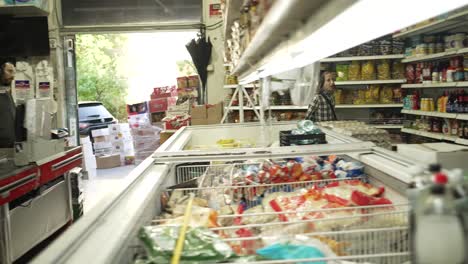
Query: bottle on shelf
point(439, 235)
point(415, 103)
point(444, 102)
point(435, 73)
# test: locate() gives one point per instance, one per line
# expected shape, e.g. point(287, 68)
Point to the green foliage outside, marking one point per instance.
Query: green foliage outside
point(98, 75)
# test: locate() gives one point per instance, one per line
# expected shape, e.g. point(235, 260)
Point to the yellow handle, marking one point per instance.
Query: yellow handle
point(183, 229)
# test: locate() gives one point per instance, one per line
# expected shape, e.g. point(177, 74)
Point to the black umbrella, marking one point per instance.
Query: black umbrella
point(200, 50)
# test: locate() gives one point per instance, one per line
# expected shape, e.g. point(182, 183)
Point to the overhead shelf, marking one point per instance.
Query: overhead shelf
point(359, 58)
point(295, 107)
point(453, 21)
point(434, 114)
point(23, 10)
point(433, 135)
point(343, 83)
point(286, 24)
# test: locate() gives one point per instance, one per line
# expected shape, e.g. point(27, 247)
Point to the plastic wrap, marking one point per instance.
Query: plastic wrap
point(368, 70)
point(354, 71)
point(386, 95)
point(383, 70)
point(398, 70)
point(342, 72)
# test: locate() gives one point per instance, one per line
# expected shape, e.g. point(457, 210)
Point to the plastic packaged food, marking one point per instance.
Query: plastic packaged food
point(398, 46)
point(342, 72)
point(383, 70)
point(410, 73)
point(385, 46)
point(338, 96)
point(397, 95)
point(386, 95)
point(354, 71)
point(374, 94)
point(368, 70)
point(398, 70)
point(200, 244)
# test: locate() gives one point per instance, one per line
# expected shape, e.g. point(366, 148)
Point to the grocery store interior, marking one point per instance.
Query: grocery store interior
point(234, 131)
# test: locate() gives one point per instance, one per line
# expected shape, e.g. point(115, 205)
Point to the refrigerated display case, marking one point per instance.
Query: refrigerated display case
point(108, 234)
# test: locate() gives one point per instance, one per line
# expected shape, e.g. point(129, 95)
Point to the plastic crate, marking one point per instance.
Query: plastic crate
point(288, 139)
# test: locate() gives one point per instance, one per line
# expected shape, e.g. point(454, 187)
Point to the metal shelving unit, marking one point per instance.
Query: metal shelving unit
point(295, 107)
point(432, 85)
point(438, 136)
point(344, 83)
point(436, 114)
point(436, 56)
point(359, 58)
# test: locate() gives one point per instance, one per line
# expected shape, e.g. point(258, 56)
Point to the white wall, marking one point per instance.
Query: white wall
point(215, 77)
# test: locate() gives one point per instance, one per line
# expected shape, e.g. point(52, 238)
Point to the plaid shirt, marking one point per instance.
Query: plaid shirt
point(319, 110)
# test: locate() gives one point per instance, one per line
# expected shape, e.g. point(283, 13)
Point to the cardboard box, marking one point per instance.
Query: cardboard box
point(102, 145)
point(137, 109)
point(198, 112)
point(100, 132)
point(193, 81)
point(107, 162)
point(119, 128)
point(449, 155)
point(101, 139)
point(158, 105)
point(184, 107)
point(182, 82)
point(199, 122)
point(158, 117)
point(165, 135)
point(176, 123)
point(214, 113)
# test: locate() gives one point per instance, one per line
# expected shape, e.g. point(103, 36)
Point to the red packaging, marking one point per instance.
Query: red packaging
point(176, 122)
point(158, 105)
point(410, 73)
point(136, 109)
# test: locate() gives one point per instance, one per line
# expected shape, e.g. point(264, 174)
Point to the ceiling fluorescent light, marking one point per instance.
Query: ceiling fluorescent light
point(362, 22)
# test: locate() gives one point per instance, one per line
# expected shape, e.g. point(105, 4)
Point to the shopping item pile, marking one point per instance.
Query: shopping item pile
point(145, 136)
point(113, 146)
point(361, 131)
point(265, 208)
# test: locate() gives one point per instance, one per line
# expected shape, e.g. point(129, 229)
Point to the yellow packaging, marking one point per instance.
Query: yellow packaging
point(368, 70)
point(354, 71)
point(383, 70)
point(339, 96)
point(398, 70)
point(386, 95)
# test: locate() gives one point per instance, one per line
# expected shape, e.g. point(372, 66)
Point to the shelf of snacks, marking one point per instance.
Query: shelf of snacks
point(231, 12)
point(388, 126)
point(443, 22)
point(361, 58)
point(369, 106)
point(363, 82)
point(432, 113)
point(438, 136)
point(431, 85)
point(25, 10)
point(435, 56)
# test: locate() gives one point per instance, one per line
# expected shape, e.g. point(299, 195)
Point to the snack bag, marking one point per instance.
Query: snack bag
point(342, 72)
point(383, 70)
point(386, 95)
point(354, 71)
point(398, 70)
point(368, 70)
point(338, 96)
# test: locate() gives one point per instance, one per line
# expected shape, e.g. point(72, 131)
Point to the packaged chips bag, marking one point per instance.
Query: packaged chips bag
point(383, 70)
point(368, 70)
point(342, 72)
point(354, 71)
point(386, 95)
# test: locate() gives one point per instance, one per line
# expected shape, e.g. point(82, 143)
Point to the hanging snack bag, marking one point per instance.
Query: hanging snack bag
point(342, 72)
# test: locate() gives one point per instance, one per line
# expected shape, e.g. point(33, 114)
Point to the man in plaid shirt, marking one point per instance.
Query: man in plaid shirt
point(322, 107)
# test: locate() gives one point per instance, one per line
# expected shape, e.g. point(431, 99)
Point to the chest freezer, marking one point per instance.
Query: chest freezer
point(108, 234)
point(247, 138)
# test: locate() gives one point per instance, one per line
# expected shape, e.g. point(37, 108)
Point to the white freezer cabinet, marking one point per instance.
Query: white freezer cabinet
point(108, 234)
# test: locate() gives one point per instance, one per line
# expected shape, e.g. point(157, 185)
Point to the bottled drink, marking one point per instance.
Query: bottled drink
point(439, 236)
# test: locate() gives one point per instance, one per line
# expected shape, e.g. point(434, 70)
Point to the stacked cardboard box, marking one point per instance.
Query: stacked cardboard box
point(207, 114)
point(145, 136)
point(122, 143)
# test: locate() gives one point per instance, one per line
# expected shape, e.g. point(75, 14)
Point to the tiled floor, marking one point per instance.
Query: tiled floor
point(101, 183)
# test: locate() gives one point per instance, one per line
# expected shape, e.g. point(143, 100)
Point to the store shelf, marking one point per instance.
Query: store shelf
point(428, 113)
point(435, 56)
point(23, 10)
point(359, 58)
point(438, 136)
point(233, 86)
point(431, 85)
point(343, 83)
point(370, 106)
point(388, 126)
point(232, 13)
point(462, 141)
point(453, 21)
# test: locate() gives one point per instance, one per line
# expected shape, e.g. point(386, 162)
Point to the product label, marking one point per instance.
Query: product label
point(22, 84)
point(44, 89)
